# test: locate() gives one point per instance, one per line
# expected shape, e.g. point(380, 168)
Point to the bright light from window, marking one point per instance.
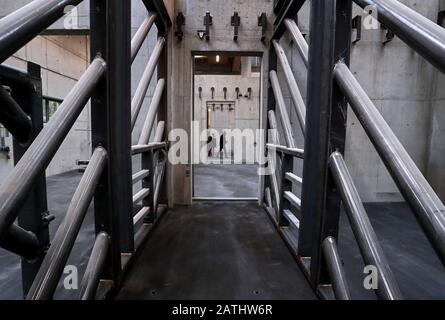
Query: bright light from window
point(217, 59)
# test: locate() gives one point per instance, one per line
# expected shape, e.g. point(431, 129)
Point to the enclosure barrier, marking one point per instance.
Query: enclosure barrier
point(106, 82)
point(327, 58)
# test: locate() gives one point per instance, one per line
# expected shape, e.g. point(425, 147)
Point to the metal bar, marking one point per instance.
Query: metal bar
point(284, 116)
point(21, 242)
point(291, 12)
point(274, 126)
point(298, 153)
point(163, 21)
point(148, 147)
point(142, 88)
point(14, 189)
point(141, 175)
point(316, 151)
point(293, 220)
point(420, 33)
point(141, 214)
point(293, 199)
point(367, 240)
point(152, 111)
point(268, 196)
point(294, 178)
point(95, 267)
point(21, 26)
point(141, 35)
point(138, 197)
point(298, 102)
point(335, 268)
point(299, 40)
point(274, 160)
point(159, 131)
point(426, 205)
point(159, 181)
point(13, 118)
point(51, 269)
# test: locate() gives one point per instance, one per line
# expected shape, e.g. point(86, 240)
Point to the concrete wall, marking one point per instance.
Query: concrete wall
point(221, 39)
point(407, 91)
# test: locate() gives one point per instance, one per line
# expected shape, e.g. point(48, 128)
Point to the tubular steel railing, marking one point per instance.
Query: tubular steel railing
point(316, 216)
point(107, 178)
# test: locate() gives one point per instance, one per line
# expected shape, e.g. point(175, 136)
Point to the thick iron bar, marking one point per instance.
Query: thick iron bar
point(273, 160)
point(283, 114)
point(290, 12)
point(297, 99)
point(295, 152)
point(140, 176)
point(14, 189)
point(361, 226)
point(21, 26)
point(316, 151)
point(152, 111)
point(21, 242)
point(426, 205)
point(138, 149)
point(141, 35)
point(95, 266)
point(13, 118)
point(420, 33)
point(299, 40)
point(335, 268)
point(141, 214)
point(274, 126)
point(142, 88)
point(51, 269)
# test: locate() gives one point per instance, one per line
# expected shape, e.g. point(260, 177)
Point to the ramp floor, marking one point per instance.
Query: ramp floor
point(215, 250)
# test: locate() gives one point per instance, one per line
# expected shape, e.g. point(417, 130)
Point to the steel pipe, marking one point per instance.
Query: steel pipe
point(274, 126)
point(298, 102)
point(138, 149)
point(335, 269)
point(95, 266)
point(141, 175)
point(299, 153)
point(299, 40)
point(141, 195)
point(142, 88)
point(152, 111)
point(420, 33)
point(368, 243)
point(284, 116)
point(140, 215)
point(14, 189)
point(426, 205)
point(159, 135)
point(21, 242)
point(21, 26)
point(141, 35)
point(46, 280)
point(13, 118)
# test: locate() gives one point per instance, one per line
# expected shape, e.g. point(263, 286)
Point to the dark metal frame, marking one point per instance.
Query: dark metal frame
point(108, 177)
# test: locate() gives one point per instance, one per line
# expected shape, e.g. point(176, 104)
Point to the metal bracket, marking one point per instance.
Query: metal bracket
point(357, 24)
point(225, 93)
point(237, 93)
point(180, 21)
point(208, 21)
point(235, 22)
point(441, 18)
point(249, 93)
point(389, 34)
point(262, 22)
point(47, 217)
point(200, 92)
point(213, 92)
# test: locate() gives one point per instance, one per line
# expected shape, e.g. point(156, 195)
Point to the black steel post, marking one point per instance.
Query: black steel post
point(33, 215)
point(315, 170)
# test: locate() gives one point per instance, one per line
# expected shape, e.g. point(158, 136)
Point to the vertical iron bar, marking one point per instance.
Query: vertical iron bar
point(321, 63)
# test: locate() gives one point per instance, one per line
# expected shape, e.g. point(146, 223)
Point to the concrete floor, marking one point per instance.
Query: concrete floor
point(215, 250)
point(226, 181)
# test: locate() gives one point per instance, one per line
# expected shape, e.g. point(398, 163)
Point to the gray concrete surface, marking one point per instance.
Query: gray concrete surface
point(215, 251)
point(226, 181)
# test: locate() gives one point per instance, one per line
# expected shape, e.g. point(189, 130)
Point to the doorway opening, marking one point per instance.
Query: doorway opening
point(226, 117)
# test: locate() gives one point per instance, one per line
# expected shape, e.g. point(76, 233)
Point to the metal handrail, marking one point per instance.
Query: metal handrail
point(95, 266)
point(46, 280)
point(138, 149)
point(298, 153)
point(420, 33)
point(428, 208)
point(152, 111)
point(335, 269)
point(13, 118)
point(142, 88)
point(24, 24)
point(14, 189)
point(370, 248)
point(298, 102)
point(141, 35)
